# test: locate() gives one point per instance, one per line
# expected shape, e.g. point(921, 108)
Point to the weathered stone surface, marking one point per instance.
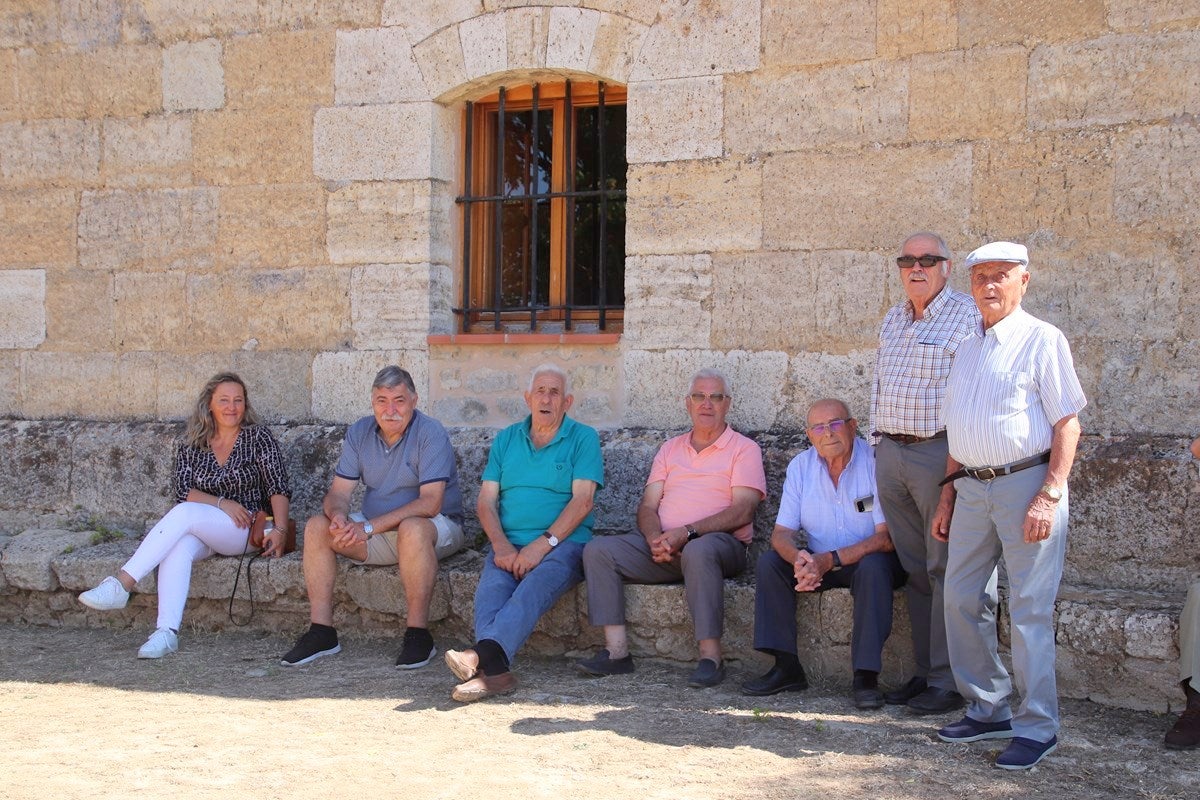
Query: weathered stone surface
point(278, 381)
point(22, 308)
point(419, 18)
point(121, 81)
point(386, 142)
point(192, 76)
point(695, 206)
point(674, 120)
point(390, 305)
point(35, 471)
point(527, 32)
point(440, 58)
point(1092, 631)
point(617, 42)
point(756, 379)
point(254, 146)
point(26, 559)
point(78, 310)
point(86, 566)
point(151, 151)
point(905, 27)
point(848, 105)
point(28, 22)
point(785, 300)
point(147, 229)
point(813, 194)
point(1152, 636)
point(293, 68)
point(152, 310)
point(49, 153)
point(994, 80)
point(10, 107)
point(383, 221)
point(1157, 177)
point(99, 385)
point(10, 390)
point(124, 477)
point(37, 227)
point(484, 45)
point(1113, 80)
point(660, 291)
point(88, 23)
point(816, 375)
point(179, 19)
point(572, 32)
point(1000, 22)
point(816, 32)
point(690, 39)
point(1152, 15)
point(277, 225)
point(341, 381)
point(376, 66)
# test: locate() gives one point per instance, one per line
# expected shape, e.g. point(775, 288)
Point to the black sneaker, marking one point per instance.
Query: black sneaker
point(316, 642)
point(417, 650)
point(601, 665)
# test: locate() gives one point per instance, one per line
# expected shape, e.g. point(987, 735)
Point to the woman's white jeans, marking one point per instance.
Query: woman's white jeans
point(189, 532)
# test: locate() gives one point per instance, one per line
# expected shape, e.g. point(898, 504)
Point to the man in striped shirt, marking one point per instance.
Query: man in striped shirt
point(1011, 414)
point(916, 348)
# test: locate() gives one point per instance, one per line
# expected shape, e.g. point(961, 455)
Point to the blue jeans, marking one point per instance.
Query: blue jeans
point(506, 610)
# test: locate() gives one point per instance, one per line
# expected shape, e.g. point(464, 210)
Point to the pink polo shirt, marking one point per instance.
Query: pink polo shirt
point(698, 485)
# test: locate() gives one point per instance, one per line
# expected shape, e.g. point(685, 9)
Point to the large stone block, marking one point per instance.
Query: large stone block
point(1157, 177)
point(380, 221)
point(49, 152)
point(983, 22)
point(572, 33)
point(387, 142)
point(1113, 80)
point(341, 381)
point(658, 381)
point(254, 146)
point(10, 105)
point(674, 120)
point(278, 381)
point(37, 226)
point(662, 290)
point(1152, 635)
point(1091, 630)
point(527, 31)
point(848, 105)
point(26, 558)
point(153, 312)
point(484, 45)
point(84, 567)
point(786, 301)
point(1137, 16)
point(617, 42)
point(10, 390)
point(147, 229)
point(813, 376)
point(390, 305)
point(691, 39)
point(79, 310)
point(817, 31)
point(89, 23)
point(833, 200)
point(192, 76)
point(169, 20)
point(22, 308)
point(292, 68)
point(277, 226)
point(35, 472)
point(302, 308)
point(419, 18)
point(905, 27)
point(123, 475)
point(440, 58)
point(376, 66)
point(150, 151)
point(100, 385)
point(994, 80)
point(693, 207)
point(122, 81)
point(1060, 182)
point(24, 23)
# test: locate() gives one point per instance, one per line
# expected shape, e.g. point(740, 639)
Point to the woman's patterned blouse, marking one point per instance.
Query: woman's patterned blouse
point(253, 472)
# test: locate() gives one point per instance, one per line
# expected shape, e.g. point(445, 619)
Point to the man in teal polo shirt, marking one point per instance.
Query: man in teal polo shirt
point(535, 505)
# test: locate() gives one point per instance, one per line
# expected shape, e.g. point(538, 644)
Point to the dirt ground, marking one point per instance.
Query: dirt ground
point(81, 717)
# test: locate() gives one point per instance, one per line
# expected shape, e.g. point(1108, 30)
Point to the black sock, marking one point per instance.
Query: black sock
point(328, 632)
point(788, 662)
point(423, 635)
point(492, 660)
point(866, 679)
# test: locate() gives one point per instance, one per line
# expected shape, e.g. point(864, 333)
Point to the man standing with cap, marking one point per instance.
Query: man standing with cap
point(1011, 414)
point(916, 348)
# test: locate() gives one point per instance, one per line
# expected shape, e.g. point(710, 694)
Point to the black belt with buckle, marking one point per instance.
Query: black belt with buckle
point(988, 473)
point(906, 438)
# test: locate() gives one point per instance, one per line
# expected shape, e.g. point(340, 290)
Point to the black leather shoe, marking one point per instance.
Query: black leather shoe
point(868, 698)
point(776, 680)
point(708, 673)
point(935, 701)
point(901, 696)
point(601, 665)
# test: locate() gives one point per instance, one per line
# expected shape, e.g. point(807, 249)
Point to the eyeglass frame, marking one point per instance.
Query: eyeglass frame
point(716, 397)
point(833, 426)
point(933, 260)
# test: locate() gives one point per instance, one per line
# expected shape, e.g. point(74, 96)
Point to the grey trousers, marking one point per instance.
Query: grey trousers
point(907, 479)
point(987, 524)
point(1189, 638)
point(871, 582)
point(609, 562)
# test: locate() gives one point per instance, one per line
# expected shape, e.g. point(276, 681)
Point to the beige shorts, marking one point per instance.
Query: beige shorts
point(381, 547)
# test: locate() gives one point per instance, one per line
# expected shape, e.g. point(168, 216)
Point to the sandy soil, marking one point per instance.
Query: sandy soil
point(80, 717)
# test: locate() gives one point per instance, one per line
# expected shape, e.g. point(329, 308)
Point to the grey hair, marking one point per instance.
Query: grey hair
point(709, 372)
point(943, 248)
point(842, 403)
point(550, 369)
point(392, 376)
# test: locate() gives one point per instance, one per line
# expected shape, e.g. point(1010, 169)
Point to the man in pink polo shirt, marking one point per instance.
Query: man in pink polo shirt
point(694, 523)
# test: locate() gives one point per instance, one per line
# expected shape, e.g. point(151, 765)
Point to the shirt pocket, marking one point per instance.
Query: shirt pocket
point(1012, 392)
point(560, 480)
point(933, 359)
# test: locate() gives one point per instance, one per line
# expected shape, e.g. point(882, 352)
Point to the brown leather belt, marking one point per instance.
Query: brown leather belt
point(988, 473)
point(904, 438)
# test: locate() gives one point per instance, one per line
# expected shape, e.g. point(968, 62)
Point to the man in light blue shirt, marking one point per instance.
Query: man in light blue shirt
point(829, 496)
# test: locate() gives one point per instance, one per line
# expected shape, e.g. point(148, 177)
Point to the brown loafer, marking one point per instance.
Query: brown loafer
point(484, 686)
point(463, 663)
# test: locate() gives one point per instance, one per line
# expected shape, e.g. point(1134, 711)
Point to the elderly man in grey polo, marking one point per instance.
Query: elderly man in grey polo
point(411, 516)
point(917, 343)
point(1011, 414)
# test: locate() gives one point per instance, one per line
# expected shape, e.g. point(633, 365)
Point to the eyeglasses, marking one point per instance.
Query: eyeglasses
point(716, 397)
point(908, 262)
point(834, 425)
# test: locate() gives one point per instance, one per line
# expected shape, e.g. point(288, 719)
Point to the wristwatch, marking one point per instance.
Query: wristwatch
point(692, 532)
point(552, 539)
point(837, 561)
point(368, 528)
point(1053, 492)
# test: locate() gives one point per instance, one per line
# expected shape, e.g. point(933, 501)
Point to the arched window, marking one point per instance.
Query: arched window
point(544, 208)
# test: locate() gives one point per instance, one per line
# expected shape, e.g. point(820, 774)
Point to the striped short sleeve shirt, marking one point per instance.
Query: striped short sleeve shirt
point(1007, 389)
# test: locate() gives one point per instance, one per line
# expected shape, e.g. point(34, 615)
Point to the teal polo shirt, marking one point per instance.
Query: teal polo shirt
point(535, 484)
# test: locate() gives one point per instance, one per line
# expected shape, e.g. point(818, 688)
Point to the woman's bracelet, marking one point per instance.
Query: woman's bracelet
point(219, 499)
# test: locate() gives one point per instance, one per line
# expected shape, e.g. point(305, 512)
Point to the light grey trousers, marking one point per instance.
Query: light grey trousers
point(1189, 638)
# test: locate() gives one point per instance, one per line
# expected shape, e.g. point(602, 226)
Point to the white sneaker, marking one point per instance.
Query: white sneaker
point(161, 642)
point(108, 596)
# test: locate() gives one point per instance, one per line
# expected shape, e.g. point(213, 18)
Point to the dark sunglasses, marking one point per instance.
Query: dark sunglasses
point(908, 262)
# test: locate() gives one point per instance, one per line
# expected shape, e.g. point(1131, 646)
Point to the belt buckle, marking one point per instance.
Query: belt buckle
point(985, 474)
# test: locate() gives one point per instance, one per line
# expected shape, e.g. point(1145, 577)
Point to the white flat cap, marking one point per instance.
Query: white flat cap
point(999, 251)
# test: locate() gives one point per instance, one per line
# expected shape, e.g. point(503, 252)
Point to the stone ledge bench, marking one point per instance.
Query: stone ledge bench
point(1115, 647)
